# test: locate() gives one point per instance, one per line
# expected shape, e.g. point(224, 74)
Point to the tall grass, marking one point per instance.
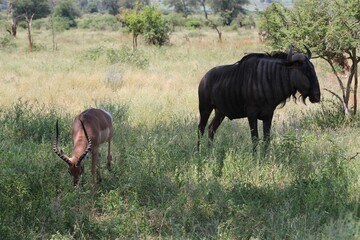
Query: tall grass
point(305, 187)
point(162, 187)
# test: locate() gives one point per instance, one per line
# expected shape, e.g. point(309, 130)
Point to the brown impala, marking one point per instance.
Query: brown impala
point(89, 129)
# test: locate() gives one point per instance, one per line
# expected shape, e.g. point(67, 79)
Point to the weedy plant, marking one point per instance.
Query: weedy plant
point(162, 187)
point(304, 187)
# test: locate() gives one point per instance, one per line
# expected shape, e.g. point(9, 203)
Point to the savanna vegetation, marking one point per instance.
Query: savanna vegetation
point(161, 186)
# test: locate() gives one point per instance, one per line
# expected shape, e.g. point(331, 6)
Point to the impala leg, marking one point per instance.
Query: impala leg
point(95, 168)
point(109, 157)
point(254, 132)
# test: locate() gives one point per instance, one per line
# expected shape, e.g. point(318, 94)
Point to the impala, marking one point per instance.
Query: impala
point(90, 128)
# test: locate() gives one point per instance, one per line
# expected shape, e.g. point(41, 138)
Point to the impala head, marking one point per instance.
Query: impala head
point(76, 164)
point(305, 76)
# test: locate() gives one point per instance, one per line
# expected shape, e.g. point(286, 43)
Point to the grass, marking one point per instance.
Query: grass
point(306, 187)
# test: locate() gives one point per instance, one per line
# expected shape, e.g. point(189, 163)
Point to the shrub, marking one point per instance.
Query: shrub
point(175, 20)
point(194, 24)
point(150, 23)
point(123, 55)
point(330, 115)
point(62, 23)
point(67, 10)
point(156, 29)
point(25, 121)
point(41, 23)
point(7, 42)
point(97, 22)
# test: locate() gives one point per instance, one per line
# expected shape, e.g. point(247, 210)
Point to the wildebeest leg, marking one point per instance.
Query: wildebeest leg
point(266, 130)
point(254, 131)
point(204, 117)
point(215, 123)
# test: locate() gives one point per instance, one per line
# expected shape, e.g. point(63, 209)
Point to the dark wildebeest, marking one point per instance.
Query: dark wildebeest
point(253, 88)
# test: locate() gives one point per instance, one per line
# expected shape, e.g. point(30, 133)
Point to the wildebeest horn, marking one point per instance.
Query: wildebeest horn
point(308, 52)
point(294, 57)
point(289, 57)
point(298, 57)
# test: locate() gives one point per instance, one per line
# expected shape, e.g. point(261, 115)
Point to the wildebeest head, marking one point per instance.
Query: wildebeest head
point(304, 76)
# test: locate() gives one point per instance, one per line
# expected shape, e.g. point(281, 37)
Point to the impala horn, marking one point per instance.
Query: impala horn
point(58, 152)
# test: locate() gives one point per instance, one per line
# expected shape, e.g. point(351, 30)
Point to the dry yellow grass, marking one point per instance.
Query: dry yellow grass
point(167, 87)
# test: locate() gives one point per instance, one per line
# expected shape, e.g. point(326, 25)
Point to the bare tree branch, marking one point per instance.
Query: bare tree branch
point(346, 110)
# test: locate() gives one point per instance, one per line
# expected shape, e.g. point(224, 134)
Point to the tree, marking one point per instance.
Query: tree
point(68, 11)
point(148, 22)
point(135, 23)
point(19, 9)
point(182, 6)
point(112, 5)
point(228, 9)
point(115, 6)
point(331, 28)
point(156, 30)
point(130, 4)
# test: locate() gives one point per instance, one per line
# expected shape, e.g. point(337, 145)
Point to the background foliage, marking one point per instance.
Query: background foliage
point(305, 187)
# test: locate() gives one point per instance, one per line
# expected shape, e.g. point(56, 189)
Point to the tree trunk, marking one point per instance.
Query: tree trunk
point(14, 23)
point(204, 8)
point(355, 61)
point(29, 22)
point(135, 41)
point(14, 20)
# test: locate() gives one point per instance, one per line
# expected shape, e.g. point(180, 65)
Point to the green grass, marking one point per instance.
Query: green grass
point(305, 187)
point(162, 187)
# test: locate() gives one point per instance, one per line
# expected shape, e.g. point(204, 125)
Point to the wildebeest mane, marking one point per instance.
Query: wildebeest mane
point(276, 55)
point(273, 55)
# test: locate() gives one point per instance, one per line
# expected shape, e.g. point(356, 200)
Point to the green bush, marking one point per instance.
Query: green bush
point(97, 22)
point(148, 22)
point(7, 42)
point(123, 55)
point(330, 115)
point(67, 11)
point(175, 20)
point(42, 23)
point(162, 187)
point(156, 29)
point(194, 24)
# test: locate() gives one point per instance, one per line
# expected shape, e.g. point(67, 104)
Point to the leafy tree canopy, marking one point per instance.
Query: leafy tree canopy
point(40, 8)
point(68, 10)
point(148, 22)
point(331, 28)
point(183, 6)
point(228, 9)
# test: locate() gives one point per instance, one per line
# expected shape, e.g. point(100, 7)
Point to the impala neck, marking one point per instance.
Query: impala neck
point(79, 147)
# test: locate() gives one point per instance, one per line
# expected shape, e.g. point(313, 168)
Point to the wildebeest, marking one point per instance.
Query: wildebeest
point(253, 87)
